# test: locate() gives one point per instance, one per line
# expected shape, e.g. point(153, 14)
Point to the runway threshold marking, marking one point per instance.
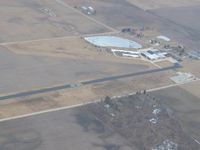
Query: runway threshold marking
point(84, 83)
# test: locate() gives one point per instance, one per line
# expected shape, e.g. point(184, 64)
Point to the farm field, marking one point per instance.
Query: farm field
point(95, 75)
point(29, 20)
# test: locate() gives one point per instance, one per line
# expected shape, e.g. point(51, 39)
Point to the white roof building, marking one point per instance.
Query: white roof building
point(150, 56)
point(154, 54)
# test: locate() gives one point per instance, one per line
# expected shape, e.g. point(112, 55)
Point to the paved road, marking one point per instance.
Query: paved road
point(86, 16)
point(68, 86)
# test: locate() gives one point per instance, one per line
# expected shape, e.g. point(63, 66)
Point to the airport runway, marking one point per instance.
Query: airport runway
point(68, 86)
